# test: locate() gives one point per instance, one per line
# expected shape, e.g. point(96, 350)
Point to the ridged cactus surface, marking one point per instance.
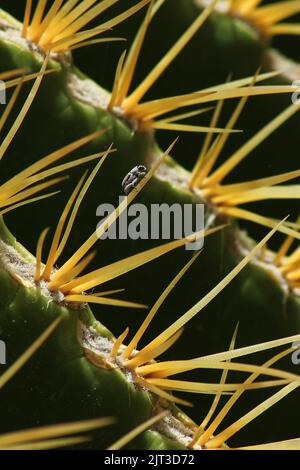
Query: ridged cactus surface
point(93, 90)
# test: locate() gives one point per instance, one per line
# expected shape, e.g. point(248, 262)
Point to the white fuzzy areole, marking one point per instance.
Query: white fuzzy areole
point(88, 92)
point(171, 426)
point(23, 271)
point(222, 6)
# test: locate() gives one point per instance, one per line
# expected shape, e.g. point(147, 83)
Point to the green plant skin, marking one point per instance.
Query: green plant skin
point(67, 119)
point(225, 46)
point(234, 48)
point(263, 312)
point(77, 120)
point(151, 440)
point(59, 379)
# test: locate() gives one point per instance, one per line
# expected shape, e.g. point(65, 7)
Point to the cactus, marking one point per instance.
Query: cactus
point(243, 282)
